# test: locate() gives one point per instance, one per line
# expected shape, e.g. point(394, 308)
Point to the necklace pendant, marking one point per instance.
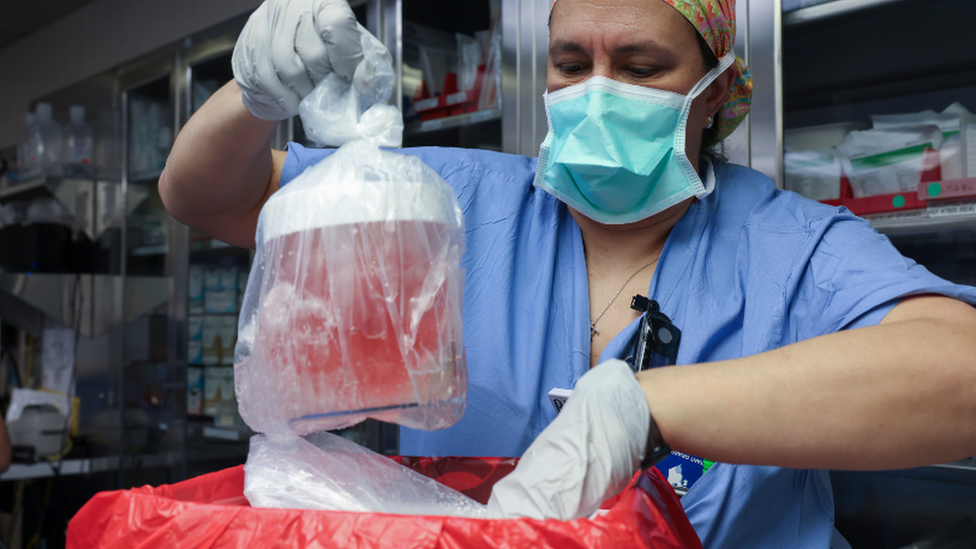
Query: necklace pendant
point(593, 332)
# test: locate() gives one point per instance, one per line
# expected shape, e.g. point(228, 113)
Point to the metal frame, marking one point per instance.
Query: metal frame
point(165, 65)
point(764, 45)
point(384, 20)
point(525, 49)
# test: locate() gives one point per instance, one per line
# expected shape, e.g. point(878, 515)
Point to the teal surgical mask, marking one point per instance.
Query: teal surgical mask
point(616, 152)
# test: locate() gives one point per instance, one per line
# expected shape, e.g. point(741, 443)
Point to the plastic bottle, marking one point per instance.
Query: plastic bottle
point(78, 141)
point(26, 167)
point(46, 142)
point(106, 152)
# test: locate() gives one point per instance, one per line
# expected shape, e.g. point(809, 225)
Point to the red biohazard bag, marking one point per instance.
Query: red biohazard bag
point(211, 511)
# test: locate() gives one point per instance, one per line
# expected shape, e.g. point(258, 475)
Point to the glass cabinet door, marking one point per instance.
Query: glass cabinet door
point(448, 61)
point(216, 436)
point(153, 403)
point(877, 110)
point(878, 103)
point(450, 73)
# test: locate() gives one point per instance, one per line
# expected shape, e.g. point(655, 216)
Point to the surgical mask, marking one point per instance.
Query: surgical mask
point(616, 152)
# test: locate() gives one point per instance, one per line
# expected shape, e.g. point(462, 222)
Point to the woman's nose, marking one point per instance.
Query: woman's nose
point(603, 69)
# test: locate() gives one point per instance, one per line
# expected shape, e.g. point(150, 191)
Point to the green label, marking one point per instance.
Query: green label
point(890, 158)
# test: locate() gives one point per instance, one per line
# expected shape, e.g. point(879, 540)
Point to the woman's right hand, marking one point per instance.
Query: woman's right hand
point(288, 46)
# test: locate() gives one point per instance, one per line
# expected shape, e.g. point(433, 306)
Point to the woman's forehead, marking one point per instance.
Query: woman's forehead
point(619, 24)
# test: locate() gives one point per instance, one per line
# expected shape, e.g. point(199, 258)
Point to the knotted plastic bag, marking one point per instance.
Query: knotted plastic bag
point(339, 111)
point(353, 306)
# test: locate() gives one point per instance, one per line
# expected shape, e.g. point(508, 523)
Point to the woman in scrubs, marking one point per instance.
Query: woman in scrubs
point(807, 342)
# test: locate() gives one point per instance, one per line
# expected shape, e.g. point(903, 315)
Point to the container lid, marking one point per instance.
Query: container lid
point(77, 114)
point(331, 204)
point(43, 111)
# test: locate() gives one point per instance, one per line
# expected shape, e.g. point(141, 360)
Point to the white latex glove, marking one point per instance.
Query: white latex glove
point(586, 455)
point(288, 46)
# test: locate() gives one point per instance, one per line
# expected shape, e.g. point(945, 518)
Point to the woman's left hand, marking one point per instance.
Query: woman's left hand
point(586, 455)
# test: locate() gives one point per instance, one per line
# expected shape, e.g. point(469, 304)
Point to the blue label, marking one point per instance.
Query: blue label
point(682, 470)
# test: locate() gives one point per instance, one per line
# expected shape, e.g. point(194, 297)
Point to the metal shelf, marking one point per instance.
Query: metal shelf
point(958, 472)
point(53, 295)
point(830, 9)
point(23, 471)
point(465, 119)
point(29, 190)
point(952, 216)
point(158, 249)
point(210, 244)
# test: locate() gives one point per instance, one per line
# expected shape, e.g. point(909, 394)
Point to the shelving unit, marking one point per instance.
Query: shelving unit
point(456, 121)
point(841, 63)
point(831, 9)
point(947, 217)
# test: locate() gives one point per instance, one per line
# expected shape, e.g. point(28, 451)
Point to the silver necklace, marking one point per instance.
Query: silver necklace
point(593, 330)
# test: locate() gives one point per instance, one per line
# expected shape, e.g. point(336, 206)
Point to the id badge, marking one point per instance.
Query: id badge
point(683, 470)
point(558, 398)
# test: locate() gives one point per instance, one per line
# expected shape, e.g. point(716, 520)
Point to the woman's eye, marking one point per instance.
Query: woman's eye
point(641, 71)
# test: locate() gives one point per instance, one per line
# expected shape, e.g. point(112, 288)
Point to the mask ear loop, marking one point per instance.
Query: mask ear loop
point(681, 134)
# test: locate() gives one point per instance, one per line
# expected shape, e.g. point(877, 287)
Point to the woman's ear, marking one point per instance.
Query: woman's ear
point(718, 91)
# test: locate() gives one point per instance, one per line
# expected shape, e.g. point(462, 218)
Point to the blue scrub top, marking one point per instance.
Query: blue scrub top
point(746, 270)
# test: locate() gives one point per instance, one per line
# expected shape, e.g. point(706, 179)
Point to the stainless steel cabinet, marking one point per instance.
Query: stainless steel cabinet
point(865, 103)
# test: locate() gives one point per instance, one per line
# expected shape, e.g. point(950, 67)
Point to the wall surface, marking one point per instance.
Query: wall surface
point(97, 37)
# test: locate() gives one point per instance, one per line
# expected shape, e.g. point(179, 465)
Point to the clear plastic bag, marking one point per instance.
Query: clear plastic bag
point(339, 111)
point(353, 305)
point(327, 472)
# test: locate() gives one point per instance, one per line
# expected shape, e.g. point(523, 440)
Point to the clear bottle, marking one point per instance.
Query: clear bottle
point(46, 142)
point(78, 141)
point(26, 165)
point(106, 154)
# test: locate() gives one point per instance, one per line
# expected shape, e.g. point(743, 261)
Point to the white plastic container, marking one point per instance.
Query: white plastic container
point(46, 142)
point(79, 142)
point(26, 167)
point(107, 151)
point(40, 427)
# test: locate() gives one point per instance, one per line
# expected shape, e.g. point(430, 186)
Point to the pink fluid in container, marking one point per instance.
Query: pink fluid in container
point(360, 310)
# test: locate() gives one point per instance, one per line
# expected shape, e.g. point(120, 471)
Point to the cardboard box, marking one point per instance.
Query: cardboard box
point(228, 278)
point(220, 301)
point(228, 339)
point(211, 279)
point(213, 382)
point(211, 345)
point(194, 391)
point(194, 351)
point(194, 331)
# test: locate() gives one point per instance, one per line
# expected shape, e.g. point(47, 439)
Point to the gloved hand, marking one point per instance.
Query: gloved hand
point(288, 46)
point(586, 455)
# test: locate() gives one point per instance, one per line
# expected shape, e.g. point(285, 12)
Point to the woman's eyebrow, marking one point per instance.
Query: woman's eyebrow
point(565, 46)
point(647, 46)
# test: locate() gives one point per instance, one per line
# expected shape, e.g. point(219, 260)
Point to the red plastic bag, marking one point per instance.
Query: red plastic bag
point(211, 512)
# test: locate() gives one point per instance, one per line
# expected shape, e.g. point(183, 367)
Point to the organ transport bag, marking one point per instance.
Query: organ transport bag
point(353, 305)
